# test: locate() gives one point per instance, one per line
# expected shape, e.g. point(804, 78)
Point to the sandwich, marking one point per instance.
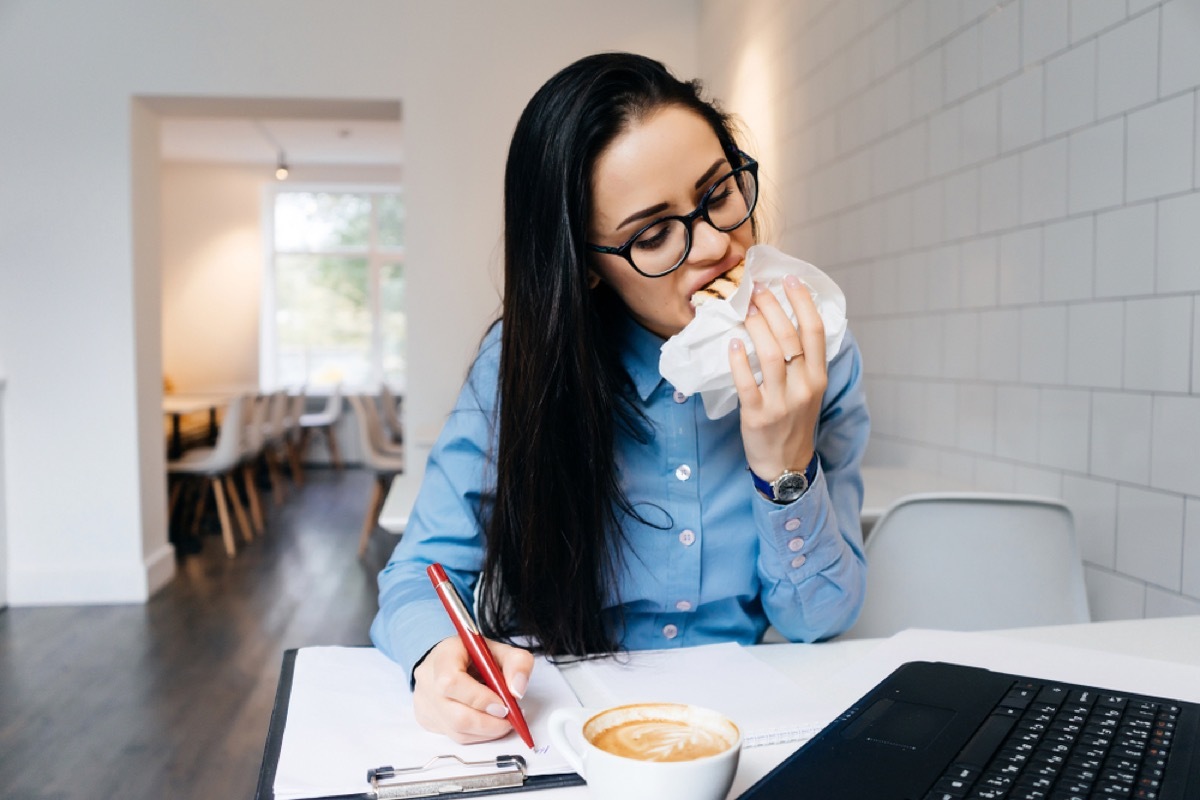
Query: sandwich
point(720, 288)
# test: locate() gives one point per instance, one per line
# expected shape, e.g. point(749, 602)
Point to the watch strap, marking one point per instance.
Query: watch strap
point(768, 491)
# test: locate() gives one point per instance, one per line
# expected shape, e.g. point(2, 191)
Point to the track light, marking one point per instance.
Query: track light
point(281, 167)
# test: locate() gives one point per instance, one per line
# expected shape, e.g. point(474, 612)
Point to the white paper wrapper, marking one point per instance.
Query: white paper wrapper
point(697, 358)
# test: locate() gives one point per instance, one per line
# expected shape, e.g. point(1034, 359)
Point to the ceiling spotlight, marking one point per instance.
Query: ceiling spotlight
point(281, 167)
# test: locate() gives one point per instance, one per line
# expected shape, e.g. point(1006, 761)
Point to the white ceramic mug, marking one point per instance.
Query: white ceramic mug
point(669, 751)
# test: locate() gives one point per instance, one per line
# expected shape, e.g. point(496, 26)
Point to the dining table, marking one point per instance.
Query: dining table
point(177, 406)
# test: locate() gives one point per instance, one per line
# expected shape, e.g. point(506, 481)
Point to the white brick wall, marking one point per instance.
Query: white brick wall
point(1009, 193)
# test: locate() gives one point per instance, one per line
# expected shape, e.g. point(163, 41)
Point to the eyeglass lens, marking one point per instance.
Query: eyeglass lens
point(664, 245)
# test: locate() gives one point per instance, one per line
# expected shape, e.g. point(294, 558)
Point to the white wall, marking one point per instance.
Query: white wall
point(1008, 194)
point(80, 293)
point(3, 516)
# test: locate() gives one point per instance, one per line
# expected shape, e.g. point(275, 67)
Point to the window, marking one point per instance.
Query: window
point(333, 301)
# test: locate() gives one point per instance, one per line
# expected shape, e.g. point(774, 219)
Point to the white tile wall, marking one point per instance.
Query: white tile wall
point(1191, 549)
point(1071, 89)
point(1121, 437)
point(1068, 259)
point(1095, 333)
point(1127, 74)
point(1097, 167)
point(1094, 505)
point(1114, 596)
point(1125, 251)
point(1180, 55)
point(1045, 29)
point(1179, 244)
point(1089, 17)
point(1176, 462)
point(1159, 146)
point(1009, 192)
point(1168, 604)
point(1150, 536)
point(1157, 344)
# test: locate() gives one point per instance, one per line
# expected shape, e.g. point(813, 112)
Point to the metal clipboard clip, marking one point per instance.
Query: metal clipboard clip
point(391, 783)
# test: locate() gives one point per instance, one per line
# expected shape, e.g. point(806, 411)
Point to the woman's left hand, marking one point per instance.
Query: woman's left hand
point(779, 416)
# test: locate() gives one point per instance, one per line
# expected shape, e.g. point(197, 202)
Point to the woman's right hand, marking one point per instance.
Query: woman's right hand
point(448, 697)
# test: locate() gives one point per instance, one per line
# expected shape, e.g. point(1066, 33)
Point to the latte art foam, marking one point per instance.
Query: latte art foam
point(660, 740)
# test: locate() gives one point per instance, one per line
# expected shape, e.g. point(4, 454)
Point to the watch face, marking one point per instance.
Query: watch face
point(790, 486)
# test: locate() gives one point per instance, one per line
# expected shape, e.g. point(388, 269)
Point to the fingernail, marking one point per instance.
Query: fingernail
point(518, 684)
point(791, 281)
point(497, 710)
point(736, 344)
point(759, 288)
point(752, 311)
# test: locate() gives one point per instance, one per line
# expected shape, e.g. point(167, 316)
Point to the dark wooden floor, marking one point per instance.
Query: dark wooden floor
point(172, 698)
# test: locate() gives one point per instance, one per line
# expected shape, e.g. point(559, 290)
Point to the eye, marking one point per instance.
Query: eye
point(654, 237)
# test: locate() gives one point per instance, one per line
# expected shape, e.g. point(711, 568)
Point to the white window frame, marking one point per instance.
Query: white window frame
point(377, 256)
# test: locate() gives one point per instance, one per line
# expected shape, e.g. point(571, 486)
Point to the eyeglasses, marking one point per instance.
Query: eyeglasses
point(662, 246)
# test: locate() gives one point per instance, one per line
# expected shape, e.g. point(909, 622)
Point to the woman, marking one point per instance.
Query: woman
point(597, 508)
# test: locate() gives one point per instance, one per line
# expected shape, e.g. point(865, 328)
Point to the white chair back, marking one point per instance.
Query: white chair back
point(366, 418)
point(252, 441)
point(972, 561)
point(276, 414)
point(391, 416)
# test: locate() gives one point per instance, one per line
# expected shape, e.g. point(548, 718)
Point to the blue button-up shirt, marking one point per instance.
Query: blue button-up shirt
point(714, 561)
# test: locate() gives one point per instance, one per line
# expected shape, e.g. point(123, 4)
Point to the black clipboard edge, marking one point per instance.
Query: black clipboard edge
point(274, 746)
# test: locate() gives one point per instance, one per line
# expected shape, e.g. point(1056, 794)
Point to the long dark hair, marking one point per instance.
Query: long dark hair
point(553, 533)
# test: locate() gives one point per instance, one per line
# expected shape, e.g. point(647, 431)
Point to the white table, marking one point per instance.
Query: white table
point(1175, 639)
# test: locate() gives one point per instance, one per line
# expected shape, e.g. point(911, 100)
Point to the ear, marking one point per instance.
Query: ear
point(593, 279)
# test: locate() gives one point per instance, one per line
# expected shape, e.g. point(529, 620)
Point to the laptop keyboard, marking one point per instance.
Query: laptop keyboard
point(1052, 742)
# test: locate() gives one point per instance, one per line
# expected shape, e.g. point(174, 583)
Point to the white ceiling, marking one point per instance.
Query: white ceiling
point(305, 141)
point(247, 130)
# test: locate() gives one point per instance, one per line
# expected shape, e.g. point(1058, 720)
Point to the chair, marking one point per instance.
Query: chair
point(972, 561)
point(385, 466)
point(324, 421)
point(216, 465)
point(391, 416)
point(274, 435)
point(292, 434)
point(252, 451)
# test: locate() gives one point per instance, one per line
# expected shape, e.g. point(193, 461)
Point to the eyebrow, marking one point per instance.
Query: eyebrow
point(661, 207)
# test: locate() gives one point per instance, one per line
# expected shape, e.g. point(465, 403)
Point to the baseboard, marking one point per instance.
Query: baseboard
point(160, 568)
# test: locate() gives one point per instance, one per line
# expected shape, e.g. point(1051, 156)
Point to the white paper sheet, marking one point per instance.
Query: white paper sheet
point(351, 711)
point(767, 706)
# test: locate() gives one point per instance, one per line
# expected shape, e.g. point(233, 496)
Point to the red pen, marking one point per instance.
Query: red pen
point(481, 656)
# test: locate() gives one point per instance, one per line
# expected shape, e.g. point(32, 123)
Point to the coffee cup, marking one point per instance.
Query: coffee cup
point(649, 751)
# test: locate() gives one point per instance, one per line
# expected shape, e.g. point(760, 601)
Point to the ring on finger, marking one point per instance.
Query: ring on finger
point(797, 354)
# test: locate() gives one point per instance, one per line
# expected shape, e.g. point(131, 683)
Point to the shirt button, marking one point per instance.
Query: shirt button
point(683, 605)
point(688, 538)
point(795, 544)
point(680, 397)
point(670, 631)
point(791, 525)
point(683, 472)
point(798, 562)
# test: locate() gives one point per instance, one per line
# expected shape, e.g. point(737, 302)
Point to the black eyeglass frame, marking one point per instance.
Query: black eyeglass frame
point(689, 220)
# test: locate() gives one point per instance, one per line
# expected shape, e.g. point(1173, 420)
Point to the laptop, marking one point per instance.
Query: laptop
point(938, 731)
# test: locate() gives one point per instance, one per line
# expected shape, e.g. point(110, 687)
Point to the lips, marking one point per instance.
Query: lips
point(720, 287)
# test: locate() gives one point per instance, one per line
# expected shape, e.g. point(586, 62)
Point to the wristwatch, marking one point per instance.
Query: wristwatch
point(789, 486)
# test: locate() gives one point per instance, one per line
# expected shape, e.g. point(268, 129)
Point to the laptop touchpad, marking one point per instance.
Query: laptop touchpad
point(906, 725)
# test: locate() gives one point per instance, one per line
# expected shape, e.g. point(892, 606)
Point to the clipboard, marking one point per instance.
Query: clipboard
point(475, 778)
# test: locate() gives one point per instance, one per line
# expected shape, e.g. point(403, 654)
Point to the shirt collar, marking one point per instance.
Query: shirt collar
point(639, 355)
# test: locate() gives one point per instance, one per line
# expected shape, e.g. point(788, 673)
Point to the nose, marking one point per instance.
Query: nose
point(708, 243)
